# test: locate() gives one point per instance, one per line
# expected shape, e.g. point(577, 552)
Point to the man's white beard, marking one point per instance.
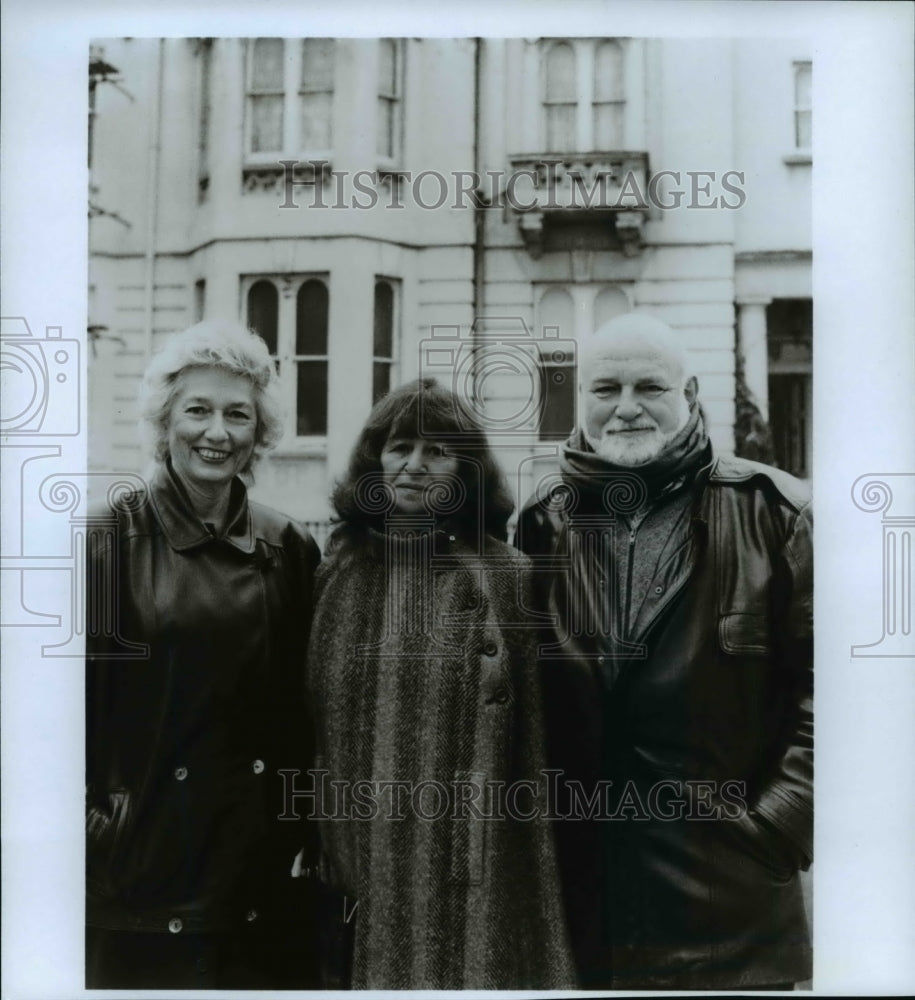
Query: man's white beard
point(622, 449)
point(627, 449)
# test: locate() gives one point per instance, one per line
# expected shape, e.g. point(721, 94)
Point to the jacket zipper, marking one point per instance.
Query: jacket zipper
point(628, 601)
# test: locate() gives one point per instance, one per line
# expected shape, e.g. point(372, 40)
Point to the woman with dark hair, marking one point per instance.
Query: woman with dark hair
point(422, 675)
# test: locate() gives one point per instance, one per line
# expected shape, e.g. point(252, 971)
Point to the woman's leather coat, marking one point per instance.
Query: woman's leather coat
point(195, 646)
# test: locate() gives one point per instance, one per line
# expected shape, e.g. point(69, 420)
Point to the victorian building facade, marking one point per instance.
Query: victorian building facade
point(467, 208)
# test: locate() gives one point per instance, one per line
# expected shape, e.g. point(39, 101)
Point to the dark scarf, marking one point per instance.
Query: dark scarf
point(627, 488)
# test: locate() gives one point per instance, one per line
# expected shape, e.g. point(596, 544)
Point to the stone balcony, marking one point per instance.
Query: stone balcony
point(577, 185)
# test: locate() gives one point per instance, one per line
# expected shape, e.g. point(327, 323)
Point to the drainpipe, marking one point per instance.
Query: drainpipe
point(479, 219)
point(152, 205)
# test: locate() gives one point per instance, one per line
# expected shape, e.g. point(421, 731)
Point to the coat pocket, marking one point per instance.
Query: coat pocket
point(762, 846)
point(743, 633)
point(105, 828)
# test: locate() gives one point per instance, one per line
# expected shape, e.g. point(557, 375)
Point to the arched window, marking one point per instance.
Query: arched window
point(290, 91)
point(316, 94)
point(266, 93)
point(390, 122)
point(311, 358)
point(383, 342)
point(557, 365)
point(294, 325)
point(560, 97)
point(263, 312)
point(609, 96)
point(584, 94)
point(610, 302)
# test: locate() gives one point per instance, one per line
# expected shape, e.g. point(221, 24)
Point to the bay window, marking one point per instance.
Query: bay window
point(290, 312)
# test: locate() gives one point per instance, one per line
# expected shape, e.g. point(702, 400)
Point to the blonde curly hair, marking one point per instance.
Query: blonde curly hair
point(229, 347)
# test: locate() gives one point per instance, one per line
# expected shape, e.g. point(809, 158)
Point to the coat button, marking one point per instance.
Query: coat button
point(659, 590)
point(176, 925)
point(180, 774)
point(251, 916)
point(258, 767)
point(500, 695)
point(490, 649)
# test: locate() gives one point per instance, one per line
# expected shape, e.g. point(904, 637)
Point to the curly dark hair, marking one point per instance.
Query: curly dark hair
point(424, 409)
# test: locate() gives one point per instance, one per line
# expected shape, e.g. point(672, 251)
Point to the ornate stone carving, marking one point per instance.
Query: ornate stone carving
point(613, 184)
point(531, 226)
point(270, 178)
point(629, 230)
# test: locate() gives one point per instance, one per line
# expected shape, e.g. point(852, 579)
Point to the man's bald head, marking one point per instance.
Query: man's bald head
point(636, 335)
point(635, 388)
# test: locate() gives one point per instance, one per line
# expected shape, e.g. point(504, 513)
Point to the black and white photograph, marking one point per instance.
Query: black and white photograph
point(411, 505)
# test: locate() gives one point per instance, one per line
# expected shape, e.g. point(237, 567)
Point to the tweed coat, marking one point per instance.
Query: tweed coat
point(422, 674)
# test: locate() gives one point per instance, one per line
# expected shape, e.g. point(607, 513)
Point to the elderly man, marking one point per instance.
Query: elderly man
point(678, 678)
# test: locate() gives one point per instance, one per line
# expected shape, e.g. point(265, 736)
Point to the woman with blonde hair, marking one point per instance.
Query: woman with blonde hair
point(193, 703)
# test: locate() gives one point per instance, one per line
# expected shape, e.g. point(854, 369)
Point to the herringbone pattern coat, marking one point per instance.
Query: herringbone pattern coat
point(423, 675)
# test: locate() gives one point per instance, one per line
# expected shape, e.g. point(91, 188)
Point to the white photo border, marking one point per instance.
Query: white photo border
point(864, 400)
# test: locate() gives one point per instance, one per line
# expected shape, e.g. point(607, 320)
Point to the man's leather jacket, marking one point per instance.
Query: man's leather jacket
point(195, 652)
point(701, 722)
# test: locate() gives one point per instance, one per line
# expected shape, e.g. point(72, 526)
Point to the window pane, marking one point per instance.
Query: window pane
point(608, 72)
point(609, 303)
point(315, 125)
point(266, 124)
point(318, 64)
point(608, 126)
point(267, 64)
point(556, 314)
point(311, 318)
point(803, 129)
point(789, 419)
point(560, 127)
point(560, 74)
point(263, 309)
point(803, 78)
point(384, 320)
point(387, 67)
point(381, 380)
point(557, 369)
point(311, 397)
point(557, 401)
